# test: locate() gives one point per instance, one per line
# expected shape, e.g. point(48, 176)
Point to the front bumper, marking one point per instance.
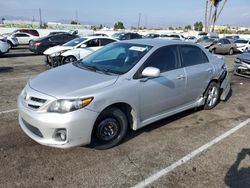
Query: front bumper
point(42, 126)
point(242, 69)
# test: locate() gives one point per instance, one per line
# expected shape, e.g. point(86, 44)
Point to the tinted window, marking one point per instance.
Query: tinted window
point(106, 41)
point(93, 43)
point(21, 35)
point(165, 59)
point(226, 41)
point(241, 41)
point(192, 55)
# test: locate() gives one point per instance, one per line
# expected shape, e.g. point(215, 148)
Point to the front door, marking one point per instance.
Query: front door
point(162, 94)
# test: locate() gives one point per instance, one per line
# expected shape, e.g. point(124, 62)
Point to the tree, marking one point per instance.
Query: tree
point(73, 22)
point(198, 26)
point(171, 28)
point(119, 25)
point(188, 27)
point(214, 14)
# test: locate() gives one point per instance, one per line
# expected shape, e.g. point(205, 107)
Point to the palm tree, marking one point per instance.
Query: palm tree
point(215, 4)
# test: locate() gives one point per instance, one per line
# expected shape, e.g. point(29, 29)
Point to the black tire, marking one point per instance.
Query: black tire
point(213, 51)
point(10, 43)
point(212, 96)
point(110, 129)
point(231, 51)
point(69, 59)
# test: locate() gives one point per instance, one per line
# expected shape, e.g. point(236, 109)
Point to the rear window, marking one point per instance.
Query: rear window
point(192, 55)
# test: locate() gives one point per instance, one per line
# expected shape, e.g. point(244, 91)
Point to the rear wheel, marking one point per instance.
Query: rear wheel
point(110, 129)
point(212, 95)
point(69, 59)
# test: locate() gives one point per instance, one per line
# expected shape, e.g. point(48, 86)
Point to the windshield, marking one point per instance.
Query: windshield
point(75, 42)
point(117, 58)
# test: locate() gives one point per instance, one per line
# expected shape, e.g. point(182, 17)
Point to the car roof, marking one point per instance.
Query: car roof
point(98, 37)
point(156, 42)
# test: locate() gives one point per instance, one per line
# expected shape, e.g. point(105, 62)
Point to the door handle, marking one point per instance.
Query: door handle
point(180, 77)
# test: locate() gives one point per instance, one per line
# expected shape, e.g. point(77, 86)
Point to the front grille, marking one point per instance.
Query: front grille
point(32, 129)
point(37, 100)
point(34, 102)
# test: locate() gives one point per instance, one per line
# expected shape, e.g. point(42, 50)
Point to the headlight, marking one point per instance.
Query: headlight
point(68, 105)
point(58, 53)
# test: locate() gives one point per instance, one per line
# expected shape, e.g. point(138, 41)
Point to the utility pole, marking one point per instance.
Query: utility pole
point(40, 18)
point(206, 21)
point(76, 17)
point(139, 21)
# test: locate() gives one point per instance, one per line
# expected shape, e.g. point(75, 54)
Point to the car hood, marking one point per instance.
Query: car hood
point(56, 49)
point(245, 56)
point(70, 81)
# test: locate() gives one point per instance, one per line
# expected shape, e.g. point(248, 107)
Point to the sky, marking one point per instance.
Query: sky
point(154, 13)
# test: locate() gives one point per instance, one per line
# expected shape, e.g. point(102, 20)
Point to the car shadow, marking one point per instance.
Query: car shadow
point(237, 177)
point(6, 69)
point(12, 55)
point(132, 134)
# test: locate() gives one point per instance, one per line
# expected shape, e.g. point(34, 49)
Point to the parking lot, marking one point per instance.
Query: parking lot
point(24, 163)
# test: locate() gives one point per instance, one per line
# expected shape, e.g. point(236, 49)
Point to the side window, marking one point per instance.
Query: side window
point(192, 55)
point(106, 41)
point(165, 59)
point(221, 41)
point(226, 41)
point(21, 35)
point(93, 43)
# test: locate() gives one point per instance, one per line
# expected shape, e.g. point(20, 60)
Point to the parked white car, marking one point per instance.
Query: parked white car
point(12, 41)
point(75, 49)
point(23, 38)
point(243, 45)
point(191, 39)
point(4, 46)
point(172, 36)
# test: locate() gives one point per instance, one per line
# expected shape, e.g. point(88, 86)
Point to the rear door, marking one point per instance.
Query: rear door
point(198, 69)
point(22, 38)
point(162, 94)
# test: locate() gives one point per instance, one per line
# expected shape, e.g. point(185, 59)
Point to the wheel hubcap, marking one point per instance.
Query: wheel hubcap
point(108, 129)
point(212, 96)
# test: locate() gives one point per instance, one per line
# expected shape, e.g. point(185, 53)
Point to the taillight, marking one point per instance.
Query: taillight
point(37, 43)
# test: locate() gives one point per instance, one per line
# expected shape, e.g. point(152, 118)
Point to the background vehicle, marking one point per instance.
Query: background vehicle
point(32, 32)
point(89, 46)
point(100, 97)
point(126, 36)
point(223, 46)
point(23, 38)
point(56, 33)
point(242, 64)
point(206, 42)
point(4, 46)
point(191, 39)
point(151, 36)
point(232, 38)
point(90, 43)
point(242, 45)
point(99, 34)
point(209, 35)
point(172, 36)
point(40, 45)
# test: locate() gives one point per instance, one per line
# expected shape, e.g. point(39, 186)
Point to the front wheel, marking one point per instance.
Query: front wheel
point(212, 95)
point(69, 59)
point(231, 51)
point(110, 129)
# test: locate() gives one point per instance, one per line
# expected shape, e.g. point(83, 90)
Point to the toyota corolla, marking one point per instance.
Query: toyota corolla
point(125, 85)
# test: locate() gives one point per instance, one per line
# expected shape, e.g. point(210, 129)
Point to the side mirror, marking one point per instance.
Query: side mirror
point(151, 72)
point(83, 46)
point(219, 43)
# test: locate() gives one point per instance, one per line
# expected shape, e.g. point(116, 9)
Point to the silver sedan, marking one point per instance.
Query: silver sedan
point(125, 85)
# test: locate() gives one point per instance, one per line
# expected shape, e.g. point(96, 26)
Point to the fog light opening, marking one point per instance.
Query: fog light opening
point(61, 134)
